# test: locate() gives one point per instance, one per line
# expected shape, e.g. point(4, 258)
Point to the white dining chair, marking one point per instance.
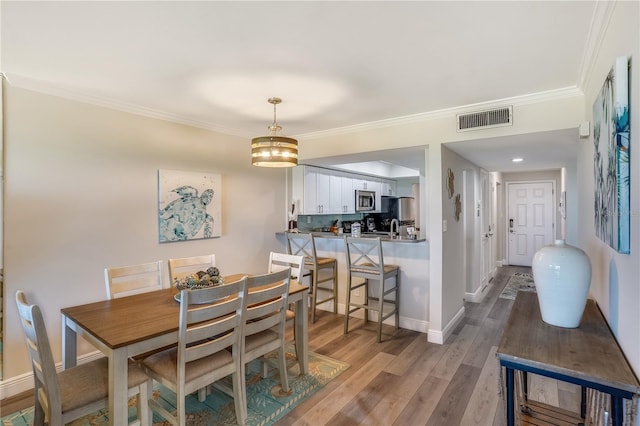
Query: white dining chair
point(264, 319)
point(133, 279)
point(180, 267)
point(77, 391)
point(211, 321)
point(280, 261)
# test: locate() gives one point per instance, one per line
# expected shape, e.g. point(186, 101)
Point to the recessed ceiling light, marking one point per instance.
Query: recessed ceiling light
point(517, 160)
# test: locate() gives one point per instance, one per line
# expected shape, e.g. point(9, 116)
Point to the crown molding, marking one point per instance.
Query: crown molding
point(597, 29)
point(550, 95)
point(29, 83)
point(40, 86)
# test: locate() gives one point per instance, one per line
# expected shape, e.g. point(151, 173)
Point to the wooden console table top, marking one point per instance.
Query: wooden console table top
point(588, 353)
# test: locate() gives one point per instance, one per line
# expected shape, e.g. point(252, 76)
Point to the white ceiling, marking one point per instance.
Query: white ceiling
point(213, 64)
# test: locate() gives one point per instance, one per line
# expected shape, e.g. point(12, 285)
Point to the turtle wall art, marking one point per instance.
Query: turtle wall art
point(188, 205)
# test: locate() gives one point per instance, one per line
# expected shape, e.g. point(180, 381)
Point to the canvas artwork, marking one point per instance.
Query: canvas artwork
point(188, 205)
point(611, 158)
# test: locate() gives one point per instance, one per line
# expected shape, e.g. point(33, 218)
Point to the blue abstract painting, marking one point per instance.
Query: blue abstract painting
point(611, 155)
point(188, 205)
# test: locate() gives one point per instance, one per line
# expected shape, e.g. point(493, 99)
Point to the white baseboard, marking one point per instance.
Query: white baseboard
point(479, 294)
point(475, 297)
point(439, 337)
point(406, 323)
point(24, 382)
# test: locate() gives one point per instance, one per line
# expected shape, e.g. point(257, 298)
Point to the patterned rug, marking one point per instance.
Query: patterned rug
point(520, 281)
point(265, 404)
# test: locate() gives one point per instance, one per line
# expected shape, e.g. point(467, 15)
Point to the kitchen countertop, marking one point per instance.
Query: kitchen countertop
point(384, 238)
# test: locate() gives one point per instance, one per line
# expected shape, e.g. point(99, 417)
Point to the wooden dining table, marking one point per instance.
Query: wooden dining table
point(133, 325)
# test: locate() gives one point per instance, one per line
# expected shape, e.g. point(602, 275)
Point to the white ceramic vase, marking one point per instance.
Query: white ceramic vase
point(562, 275)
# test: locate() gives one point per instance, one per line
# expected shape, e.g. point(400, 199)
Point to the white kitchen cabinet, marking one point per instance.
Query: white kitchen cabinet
point(328, 193)
point(388, 187)
point(310, 197)
point(316, 191)
point(348, 196)
point(366, 183)
point(323, 191)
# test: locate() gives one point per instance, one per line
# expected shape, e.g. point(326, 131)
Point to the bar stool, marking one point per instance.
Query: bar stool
point(364, 260)
point(304, 245)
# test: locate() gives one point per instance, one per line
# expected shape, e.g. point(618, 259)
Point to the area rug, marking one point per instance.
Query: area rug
point(520, 281)
point(264, 402)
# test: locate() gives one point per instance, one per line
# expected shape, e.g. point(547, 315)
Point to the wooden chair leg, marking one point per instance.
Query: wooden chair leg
point(335, 287)
point(39, 417)
point(144, 411)
point(282, 365)
point(366, 300)
point(397, 296)
point(239, 397)
point(347, 305)
point(314, 295)
point(380, 309)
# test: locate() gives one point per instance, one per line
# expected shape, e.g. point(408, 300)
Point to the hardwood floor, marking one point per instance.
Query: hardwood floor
point(407, 381)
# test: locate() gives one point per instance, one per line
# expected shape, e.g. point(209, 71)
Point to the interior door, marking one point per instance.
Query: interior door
point(529, 220)
point(486, 237)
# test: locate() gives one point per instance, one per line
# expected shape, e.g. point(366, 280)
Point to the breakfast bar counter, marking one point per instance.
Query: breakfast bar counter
point(384, 237)
point(411, 255)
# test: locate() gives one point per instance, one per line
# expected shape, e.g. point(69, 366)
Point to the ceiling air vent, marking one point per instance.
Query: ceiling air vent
point(497, 117)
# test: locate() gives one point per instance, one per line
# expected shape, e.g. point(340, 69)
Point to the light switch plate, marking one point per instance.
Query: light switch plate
point(444, 226)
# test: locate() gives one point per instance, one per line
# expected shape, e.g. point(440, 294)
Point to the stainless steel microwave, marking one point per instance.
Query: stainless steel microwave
point(365, 201)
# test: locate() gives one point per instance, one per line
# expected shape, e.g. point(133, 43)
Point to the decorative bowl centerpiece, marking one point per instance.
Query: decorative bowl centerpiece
point(201, 279)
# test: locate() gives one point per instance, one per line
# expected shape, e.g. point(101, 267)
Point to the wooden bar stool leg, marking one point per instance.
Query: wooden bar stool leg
point(335, 287)
point(366, 300)
point(347, 305)
point(380, 309)
point(314, 295)
point(397, 303)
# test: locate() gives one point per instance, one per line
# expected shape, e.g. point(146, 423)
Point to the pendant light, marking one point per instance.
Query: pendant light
point(274, 150)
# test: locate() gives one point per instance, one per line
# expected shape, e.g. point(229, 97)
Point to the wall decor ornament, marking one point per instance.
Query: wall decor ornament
point(450, 183)
point(611, 156)
point(457, 209)
point(188, 205)
point(562, 276)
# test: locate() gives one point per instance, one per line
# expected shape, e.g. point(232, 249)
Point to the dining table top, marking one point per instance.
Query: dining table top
point(127, 320)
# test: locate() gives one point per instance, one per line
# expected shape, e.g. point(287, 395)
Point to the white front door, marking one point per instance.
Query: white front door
point(529, 220)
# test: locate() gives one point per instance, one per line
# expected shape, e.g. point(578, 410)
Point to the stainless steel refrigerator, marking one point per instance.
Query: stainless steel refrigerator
point(401, 208)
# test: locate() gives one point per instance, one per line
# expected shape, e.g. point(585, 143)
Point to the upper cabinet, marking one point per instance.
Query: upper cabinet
point(317, 191)
point(324, 191)
point(388, 187)
point(348, 196)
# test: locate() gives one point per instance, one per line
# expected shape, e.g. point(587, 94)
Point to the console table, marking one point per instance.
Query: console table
point(588, 356)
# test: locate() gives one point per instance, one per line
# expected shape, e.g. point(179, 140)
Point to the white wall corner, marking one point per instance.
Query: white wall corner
point(478, 295)
point(439, 337)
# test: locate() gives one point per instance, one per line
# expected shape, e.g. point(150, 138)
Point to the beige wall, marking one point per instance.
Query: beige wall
point(538, 114)
point(81, 195)
point(454, 239)
point(614, 282)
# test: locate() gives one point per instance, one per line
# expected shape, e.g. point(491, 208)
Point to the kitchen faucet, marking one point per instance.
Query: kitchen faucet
point(391, 233)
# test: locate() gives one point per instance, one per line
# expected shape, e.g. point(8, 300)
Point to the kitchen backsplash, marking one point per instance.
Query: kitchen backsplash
point(318, 222)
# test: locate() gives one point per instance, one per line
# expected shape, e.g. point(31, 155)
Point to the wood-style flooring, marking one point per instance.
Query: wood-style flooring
point(407, 381)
